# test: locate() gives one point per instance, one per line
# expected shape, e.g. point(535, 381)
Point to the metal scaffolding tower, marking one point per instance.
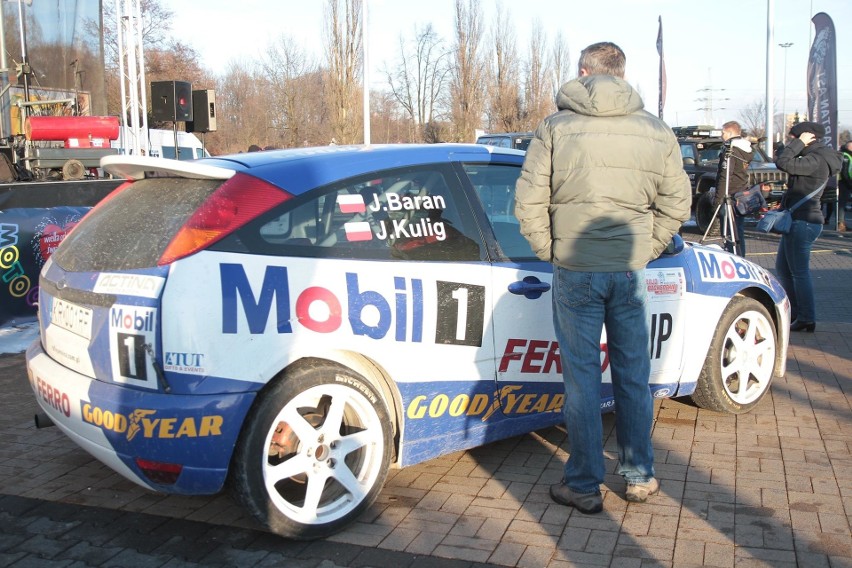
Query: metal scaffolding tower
point(131, 61)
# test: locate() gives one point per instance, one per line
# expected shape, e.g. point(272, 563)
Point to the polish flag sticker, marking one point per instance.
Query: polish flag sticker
point(351, 203)
point(358, 231)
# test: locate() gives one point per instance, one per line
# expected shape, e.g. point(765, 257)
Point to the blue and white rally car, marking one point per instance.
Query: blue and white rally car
point(296, 322)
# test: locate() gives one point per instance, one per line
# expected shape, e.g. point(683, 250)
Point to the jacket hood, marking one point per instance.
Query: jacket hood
point(599, 95)
point(742, 144)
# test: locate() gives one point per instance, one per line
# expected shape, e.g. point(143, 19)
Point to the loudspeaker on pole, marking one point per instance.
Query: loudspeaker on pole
point(171, 101)
point(203, 111)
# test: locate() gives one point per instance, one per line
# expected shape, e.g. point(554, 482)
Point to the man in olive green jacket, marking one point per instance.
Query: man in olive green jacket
point(601, 194)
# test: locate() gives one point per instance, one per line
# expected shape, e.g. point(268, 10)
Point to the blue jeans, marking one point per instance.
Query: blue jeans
point(793, 266)
point(583, 302)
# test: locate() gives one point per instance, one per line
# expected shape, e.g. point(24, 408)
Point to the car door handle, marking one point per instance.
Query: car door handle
point(530, 287)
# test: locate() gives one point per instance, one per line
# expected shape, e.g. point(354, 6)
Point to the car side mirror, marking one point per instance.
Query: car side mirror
point(689, 161)
point(675, 246)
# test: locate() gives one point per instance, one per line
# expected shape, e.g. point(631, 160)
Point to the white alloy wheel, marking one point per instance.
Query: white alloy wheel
point(323, 455)
point(740, 363)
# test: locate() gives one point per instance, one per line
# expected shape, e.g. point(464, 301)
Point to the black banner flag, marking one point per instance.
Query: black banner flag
point(822, 78)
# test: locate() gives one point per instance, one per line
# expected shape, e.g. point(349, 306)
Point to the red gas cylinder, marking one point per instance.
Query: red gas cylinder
point(71, 127)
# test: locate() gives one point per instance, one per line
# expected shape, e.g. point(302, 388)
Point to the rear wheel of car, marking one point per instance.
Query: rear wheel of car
point(314, 452)
point(740, 363)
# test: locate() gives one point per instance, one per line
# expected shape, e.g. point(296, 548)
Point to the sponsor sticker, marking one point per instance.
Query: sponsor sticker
point(132, 332)
point(129, 285)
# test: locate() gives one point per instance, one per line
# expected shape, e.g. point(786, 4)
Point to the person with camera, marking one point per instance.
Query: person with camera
point(809, 164)
point(731, 178)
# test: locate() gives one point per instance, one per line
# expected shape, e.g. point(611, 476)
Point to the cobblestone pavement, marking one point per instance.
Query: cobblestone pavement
point(770, 488)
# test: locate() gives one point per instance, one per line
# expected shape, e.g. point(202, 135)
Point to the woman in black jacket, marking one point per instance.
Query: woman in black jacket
point(809, 164)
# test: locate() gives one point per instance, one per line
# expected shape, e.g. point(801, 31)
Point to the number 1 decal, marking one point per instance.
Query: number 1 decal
point(461, 314)
point(132, 332)
point(131, 356)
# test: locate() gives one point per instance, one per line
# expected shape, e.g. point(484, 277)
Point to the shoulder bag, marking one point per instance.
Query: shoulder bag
point(780, 221)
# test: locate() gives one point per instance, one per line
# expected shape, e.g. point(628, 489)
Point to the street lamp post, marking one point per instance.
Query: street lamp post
point(784, 91)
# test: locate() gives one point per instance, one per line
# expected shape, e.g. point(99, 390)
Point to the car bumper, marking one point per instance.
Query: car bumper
point(125, 428)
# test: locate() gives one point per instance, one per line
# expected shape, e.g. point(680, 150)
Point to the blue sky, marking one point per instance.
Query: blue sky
point(715, 52)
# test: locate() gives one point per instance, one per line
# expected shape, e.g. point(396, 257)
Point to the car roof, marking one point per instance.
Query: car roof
point(493, 134)
point(297, 170)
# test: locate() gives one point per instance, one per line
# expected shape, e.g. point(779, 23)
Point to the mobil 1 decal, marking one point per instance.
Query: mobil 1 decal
point(461, 312)
point(131, 336)
point(392, 306)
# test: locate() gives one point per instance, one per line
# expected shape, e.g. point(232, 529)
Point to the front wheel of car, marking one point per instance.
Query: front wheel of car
point(740, 363)
point(314, 452)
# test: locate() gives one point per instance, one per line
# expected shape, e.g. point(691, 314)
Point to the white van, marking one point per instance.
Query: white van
point(161, 144)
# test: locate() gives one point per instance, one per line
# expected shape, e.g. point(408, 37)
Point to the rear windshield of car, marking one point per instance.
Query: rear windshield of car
point(132, 229)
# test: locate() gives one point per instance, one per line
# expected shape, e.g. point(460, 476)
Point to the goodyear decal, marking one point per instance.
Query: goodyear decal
point(483, 406)
point(721, 267)
point(149, 424)
point(397, 311)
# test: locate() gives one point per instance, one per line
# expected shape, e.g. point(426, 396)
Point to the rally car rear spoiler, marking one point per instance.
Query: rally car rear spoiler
point(139, 167)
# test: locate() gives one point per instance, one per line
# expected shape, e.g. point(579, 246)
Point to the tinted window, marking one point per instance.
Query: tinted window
point(495, 186)
point(411, 214)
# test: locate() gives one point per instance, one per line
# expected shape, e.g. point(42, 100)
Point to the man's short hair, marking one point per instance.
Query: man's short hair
point(603, 58)
point(734, 127)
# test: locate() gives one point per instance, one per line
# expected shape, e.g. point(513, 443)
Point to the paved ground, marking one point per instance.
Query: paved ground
point(769, 488)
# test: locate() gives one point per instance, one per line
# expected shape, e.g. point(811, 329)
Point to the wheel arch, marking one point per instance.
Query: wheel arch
point(762, 296)
point(375, 374)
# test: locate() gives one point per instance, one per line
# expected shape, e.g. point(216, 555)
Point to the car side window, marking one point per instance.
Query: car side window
point(494, 184)
point(687, 152)
point(410, 214)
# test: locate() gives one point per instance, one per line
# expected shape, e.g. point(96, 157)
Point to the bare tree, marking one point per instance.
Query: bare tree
point(344, 56)
point(242, 108)
point(468, 72)
point(418, 81)
point(504, 101)
point(561, 63)
point(753, 117)
point(538, 89)
point(287, 67)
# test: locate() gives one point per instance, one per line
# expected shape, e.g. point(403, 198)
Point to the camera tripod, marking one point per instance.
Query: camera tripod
point(727, 224)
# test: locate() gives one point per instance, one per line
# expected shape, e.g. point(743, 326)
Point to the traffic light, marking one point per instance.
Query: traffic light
point(171, 101)
point(203, 111)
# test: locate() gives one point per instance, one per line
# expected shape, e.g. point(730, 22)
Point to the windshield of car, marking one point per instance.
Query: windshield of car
point(708, 153)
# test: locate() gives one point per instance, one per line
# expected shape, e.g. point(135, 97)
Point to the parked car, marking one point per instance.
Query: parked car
point(296, 322)
point(516, 140)
point(700, 147)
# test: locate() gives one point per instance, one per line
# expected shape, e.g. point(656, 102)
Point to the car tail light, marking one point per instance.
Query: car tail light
point(162, 473)
point(238, 201)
